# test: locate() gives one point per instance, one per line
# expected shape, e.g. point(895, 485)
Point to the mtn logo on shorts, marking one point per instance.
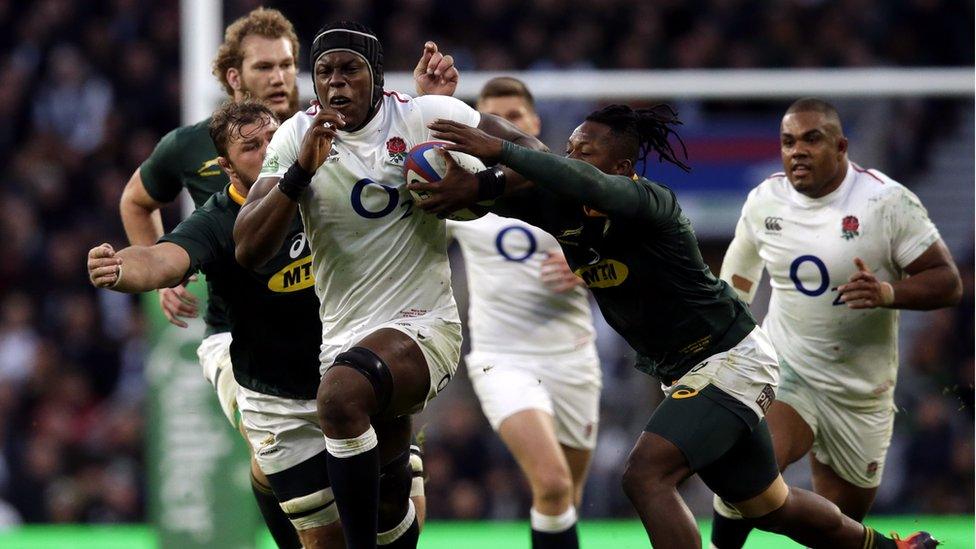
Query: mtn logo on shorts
point(766, 398)
point(296, 276)
point(604, 274)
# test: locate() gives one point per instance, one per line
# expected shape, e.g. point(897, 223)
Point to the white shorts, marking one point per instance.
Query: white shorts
point(283, 432)
point(851, 442)
point(567, 387)
point(214, 356)
point(749, 372)
point(438, 339)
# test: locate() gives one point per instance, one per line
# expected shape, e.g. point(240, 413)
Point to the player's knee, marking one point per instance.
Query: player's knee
point(553, 486)
point(336, 403)
point(639, 481)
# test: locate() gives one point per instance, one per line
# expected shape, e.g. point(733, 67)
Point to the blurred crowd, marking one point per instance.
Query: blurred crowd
point(88, 87)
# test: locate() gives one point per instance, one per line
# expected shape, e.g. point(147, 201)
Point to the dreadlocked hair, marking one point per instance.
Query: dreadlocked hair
point(644, 130)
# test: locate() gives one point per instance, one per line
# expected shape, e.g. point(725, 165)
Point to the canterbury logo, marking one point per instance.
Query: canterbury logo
point(684, 392)
point(605, 274)
point(296, 276)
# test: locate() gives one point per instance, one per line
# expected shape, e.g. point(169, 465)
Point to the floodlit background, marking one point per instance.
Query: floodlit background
point(88, 87)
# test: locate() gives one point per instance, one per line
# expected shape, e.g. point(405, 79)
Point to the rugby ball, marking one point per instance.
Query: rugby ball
point(425, 165)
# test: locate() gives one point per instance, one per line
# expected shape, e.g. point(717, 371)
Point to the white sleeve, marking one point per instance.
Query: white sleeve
point(283, 150)
point(432, 107)
point(742, 258)
point(911, 230)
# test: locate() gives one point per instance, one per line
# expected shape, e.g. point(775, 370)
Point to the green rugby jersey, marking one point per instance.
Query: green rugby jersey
point(641, 261)
point(273, 310)
point(186, 157)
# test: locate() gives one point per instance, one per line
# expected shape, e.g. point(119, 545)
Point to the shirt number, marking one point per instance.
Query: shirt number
point(500, 244)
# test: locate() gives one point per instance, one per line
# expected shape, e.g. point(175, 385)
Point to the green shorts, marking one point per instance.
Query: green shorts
point(724, 441)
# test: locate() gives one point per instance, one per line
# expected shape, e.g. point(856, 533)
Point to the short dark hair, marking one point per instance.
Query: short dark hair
point(813, 104)
point(231, 117)
point(506, 86)
point(639, 131)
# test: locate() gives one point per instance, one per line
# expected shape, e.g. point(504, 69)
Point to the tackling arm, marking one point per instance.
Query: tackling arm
point(138, 268)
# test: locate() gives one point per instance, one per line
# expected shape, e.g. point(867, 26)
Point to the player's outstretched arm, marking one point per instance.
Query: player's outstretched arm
point(272, 202)
point(933, 282)
point(143, 227)
point(137, 268)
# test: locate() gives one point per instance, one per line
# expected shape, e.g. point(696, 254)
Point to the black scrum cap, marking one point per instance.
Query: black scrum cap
point(355, 38)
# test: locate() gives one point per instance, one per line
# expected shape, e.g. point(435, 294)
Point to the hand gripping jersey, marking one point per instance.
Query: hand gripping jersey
point(375, 257)
point(512, 311)
point(808, 246)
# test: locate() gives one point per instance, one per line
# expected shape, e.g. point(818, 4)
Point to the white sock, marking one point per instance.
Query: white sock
point(553, 524)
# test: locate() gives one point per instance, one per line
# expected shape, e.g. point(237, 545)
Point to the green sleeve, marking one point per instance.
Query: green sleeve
point(205, 236)
point(613, 195)
point(160, 172)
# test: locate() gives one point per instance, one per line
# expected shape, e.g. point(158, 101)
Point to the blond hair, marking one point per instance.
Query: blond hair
point(268, 23)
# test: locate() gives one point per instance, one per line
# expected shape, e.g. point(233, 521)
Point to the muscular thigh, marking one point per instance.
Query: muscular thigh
point(792, 436)
point(407, 364)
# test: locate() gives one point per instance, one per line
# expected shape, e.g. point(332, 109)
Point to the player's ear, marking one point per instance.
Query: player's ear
point(226, 166)
point(842, 145)
point(234, 78)
point(624, 166)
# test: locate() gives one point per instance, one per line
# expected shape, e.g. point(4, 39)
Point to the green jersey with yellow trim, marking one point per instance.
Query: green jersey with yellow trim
point(273, 310)
point(186, 157)
point(638, 253)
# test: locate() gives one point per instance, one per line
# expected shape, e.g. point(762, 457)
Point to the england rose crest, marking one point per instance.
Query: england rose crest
point(396, 147)
point(849, 227)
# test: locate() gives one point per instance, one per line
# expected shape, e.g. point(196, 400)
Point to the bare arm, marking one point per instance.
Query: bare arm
point(143, 227)
point(933, 282)
point(137, 268)
point(140, 213)
point(263, 222)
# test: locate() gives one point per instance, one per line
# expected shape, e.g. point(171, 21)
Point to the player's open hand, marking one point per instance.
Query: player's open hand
point(104, 269)
point(178, 303)
point(458, 189)
point(317, 142)
point(466, 139)
point(435, 73)
point(864, 291)
point(556, 274)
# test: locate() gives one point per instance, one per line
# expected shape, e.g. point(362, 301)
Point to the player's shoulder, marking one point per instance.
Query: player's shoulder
point(442, 106)
point(775, 186)
point(187, 136)
point(875, 186)
point(297, 123)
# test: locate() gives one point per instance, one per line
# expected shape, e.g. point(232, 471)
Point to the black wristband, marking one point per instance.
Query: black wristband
point(294, 182)
point(491, 183)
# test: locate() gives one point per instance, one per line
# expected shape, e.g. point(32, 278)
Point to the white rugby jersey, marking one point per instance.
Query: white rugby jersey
point(375, 256)
point(511, 310)
point(808, 246)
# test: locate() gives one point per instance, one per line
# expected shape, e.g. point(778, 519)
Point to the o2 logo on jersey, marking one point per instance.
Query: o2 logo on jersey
point(824, 277)
point(392, 198)
point(517, 257)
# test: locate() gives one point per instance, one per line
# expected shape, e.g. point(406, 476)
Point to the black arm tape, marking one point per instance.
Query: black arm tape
point(295, 181)
point(376, 371)
point(491, 183)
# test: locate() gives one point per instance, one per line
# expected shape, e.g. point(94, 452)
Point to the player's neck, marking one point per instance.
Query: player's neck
point(237, 191)
point(835, 183)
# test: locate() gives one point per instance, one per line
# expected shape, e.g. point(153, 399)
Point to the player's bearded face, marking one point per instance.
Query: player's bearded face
point(344, 83)
point(268, 73)
point(246, 147)
point(813, 153)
